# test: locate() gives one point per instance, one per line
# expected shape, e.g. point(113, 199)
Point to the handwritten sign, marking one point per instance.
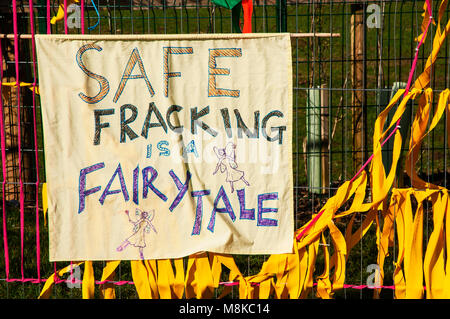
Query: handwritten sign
point(164, 146)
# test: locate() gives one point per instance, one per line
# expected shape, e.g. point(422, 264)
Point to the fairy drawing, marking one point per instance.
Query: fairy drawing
point(227, 164)
point(142, 225)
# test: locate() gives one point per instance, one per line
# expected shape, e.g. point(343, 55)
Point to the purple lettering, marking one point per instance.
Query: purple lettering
point(181, 187)
point(245, 213)
point(83, 192)
point(227, 209)
point(136, 185)
point(199, 210)
point(148, 183)
point(123, 187)
point(261, 210)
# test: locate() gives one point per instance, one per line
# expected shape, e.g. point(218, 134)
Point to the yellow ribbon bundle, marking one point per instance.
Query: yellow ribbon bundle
point(32, 87)
point(292, 275)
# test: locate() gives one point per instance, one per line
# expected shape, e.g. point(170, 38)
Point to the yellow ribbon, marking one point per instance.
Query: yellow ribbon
point(44, 202)
point(24, 84)
point(200, 278)
point(434, 267)
point(107, 290)
point(88, 285)
point(140, 279)
point(170, 285)
point(60, 14)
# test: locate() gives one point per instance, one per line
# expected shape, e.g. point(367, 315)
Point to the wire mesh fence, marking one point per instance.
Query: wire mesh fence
point(349, 58)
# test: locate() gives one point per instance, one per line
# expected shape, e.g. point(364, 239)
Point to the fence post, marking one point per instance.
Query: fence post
point(42, 25)
point(281, 9)
point(317, 139)
point(358, 73)
point(324, 138)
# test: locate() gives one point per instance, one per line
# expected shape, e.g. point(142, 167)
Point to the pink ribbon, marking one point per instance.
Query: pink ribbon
point(65, 18)
point(3, 145)
point(49, 28)
point(82, 16)
point(224, 283)
point(19, 135)
point(36, 154)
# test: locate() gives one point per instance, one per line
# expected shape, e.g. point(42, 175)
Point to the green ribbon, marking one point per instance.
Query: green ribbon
point(236, 7)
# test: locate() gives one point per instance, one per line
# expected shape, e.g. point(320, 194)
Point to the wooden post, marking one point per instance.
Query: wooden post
point(357, 70)
point(9, 96)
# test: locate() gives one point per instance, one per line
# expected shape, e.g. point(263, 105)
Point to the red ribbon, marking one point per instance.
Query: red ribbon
point(247, 6)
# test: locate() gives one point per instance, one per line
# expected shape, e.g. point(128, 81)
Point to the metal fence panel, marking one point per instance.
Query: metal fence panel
point(349, 57)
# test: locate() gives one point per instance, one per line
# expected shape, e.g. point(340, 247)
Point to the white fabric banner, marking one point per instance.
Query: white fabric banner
point(164, 146)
